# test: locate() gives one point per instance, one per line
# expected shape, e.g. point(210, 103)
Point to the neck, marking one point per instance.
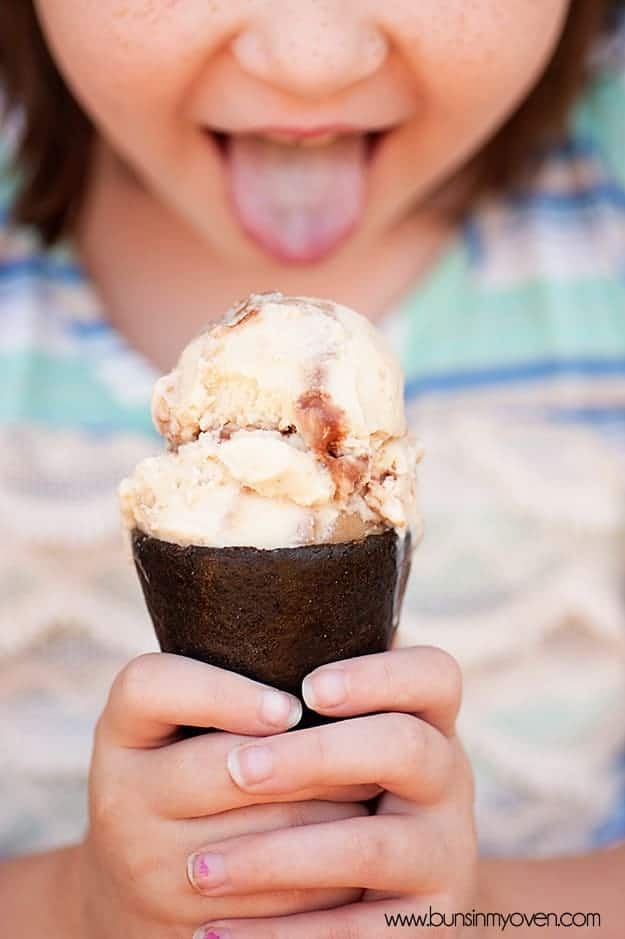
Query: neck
point(160, 283)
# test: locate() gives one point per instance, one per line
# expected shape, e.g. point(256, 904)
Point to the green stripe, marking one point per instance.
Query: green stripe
point(64, 392)
point(455, 324)
point(600, 117)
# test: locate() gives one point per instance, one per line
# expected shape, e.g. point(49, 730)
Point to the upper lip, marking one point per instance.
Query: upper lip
point(296, 133)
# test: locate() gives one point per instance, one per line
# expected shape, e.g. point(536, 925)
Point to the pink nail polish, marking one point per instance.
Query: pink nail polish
point(210, 933)
point(206, 871)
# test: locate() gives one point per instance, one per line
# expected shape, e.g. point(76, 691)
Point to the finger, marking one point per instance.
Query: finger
point(193, 837)
point(201, 833)
point(396, 751)
point(354, 921)
point(421, 680)
point(200, 784)
point(156, 693)
point(278, 904)
point(156, 863)
point(389, 853)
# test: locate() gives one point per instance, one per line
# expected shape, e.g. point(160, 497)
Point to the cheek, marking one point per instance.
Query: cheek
point(473, 60)
point(133, 61)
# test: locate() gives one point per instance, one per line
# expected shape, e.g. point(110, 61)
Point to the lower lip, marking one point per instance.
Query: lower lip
point(220, 142)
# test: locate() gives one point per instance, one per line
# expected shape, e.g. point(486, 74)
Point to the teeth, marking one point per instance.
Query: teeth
point(320, 140)
point(278, 138)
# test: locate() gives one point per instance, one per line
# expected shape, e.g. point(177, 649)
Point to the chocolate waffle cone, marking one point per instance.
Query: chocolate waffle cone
point(274, 615)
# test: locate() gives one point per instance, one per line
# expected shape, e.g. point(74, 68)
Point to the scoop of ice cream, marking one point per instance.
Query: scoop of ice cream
point(279, 362)
point(286, 426)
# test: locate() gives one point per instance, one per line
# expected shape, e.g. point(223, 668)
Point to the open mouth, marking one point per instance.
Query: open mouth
point(298, 195)
point(312, 141)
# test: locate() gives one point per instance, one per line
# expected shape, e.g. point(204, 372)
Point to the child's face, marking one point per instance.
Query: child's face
point(285, 126)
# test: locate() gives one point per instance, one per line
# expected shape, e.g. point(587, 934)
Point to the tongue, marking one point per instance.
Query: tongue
point(298, 202)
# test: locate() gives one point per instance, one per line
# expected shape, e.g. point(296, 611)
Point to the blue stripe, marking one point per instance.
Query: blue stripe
point(550, 207)
point(511, 374)
point(106, 430)
point(608, 421)
point(90, 329)
point(613, 827)
point(571, 148)
point(93, 326)
point(574, 201)
point(597, 416)
point(40, 265)
point(474, 243)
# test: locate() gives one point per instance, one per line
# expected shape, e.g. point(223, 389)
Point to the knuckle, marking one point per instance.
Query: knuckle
point(114, 805)
point(141, 854)
point(386, 676)
point(130, 686)
point(367, 846)
point(141, 872)
point(409, 737)
point(301, 813)
point(320, 750)
point(220, 691)
point(357, 846)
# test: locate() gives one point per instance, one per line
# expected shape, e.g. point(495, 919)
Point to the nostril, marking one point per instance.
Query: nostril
point(220, 139)
point(374, 139)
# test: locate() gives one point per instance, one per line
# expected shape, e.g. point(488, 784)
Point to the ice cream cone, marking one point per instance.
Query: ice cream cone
point(274, 534)
point(274, 615)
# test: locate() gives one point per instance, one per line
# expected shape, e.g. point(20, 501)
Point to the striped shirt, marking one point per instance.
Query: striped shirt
point(514, 351)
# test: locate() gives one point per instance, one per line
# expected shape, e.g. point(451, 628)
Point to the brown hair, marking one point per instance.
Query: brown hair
point(55, 149)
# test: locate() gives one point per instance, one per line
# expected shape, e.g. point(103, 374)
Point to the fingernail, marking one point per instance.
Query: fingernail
point(206, 871)
point(250, 765)
point(325, 688)
point(280, 710)
point(209, 932)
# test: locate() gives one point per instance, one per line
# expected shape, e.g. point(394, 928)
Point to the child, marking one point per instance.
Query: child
point(430, 165)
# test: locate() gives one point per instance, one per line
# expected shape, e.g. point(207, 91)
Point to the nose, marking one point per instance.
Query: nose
point(311, 48)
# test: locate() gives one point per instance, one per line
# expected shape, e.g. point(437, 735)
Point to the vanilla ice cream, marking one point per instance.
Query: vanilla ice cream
point(286, 427)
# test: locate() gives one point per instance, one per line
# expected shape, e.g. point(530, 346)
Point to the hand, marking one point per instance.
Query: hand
point(156, 799)
point(417, 851)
